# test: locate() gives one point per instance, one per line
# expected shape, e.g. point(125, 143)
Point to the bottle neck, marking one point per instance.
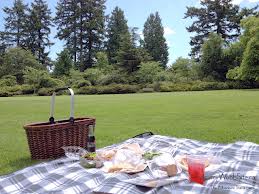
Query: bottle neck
point(91, 130)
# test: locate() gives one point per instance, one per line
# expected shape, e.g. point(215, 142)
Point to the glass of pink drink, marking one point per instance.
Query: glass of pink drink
point(196, 168)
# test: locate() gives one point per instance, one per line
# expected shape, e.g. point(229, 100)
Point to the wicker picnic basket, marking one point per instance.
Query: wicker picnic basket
point(47, 139)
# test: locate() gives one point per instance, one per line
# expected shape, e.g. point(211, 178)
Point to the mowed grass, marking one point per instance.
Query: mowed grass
point(215, 116)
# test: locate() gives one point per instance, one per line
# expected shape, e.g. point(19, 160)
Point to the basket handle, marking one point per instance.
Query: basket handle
point(71, 117)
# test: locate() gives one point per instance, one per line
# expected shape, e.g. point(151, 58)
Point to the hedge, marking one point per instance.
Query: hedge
point(6, 91)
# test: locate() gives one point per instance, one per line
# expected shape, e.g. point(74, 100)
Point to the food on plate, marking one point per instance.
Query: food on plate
point(135, 147)
point(90, 160)
point(126, 167)
point(150, 155)
point(170, 169)
point(120, 166)
point(107, 155)
point(90, 156)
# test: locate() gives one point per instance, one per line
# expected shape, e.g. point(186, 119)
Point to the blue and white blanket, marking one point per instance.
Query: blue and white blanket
point(238, 172)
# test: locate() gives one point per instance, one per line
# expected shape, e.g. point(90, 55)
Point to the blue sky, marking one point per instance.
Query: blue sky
point(137, 11)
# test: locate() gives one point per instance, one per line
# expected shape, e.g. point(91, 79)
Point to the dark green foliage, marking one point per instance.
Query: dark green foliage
point(248, 69)
point(75, 78)
point(250, 64)
point(6, 91)
point(4, 94)
point(39, 24)
point(8, 80)
point(212, 59)
point(233, 55)
point(154, 41)
point(184, 67)
point(128, 56)
point(115, 77)
point(234, 74)
point(102, 62)
point(40, 79)
point(64, 64)
point(87, 90)
point(148, 72)
point(117, 28)
point(15, 61)
point(27, 89)
point(217, 16)
point(81, 83)
point(16, 22)
point(66, 21)
point(109, 89)
point(93, 75)
point(45, 92)
point(81, 25)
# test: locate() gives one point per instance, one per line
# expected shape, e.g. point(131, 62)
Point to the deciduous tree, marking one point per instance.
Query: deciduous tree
point(215, 16)
point(212, 58)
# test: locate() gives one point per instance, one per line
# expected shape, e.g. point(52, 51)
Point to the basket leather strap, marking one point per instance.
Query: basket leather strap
point(52, 106)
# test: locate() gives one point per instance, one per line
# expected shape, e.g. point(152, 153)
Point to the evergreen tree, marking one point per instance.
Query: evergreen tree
point(64, 63)
point(154, 40)
point(66, 20)
point(15, 24)
point(117, 27)
point(215, 16)
point(81, 25)
point(135, 38)
point(94, 26)
point(40, 22)
point(127, 56)
point(3, 44)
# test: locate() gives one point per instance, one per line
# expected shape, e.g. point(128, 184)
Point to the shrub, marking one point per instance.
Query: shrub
point(199, 86)
point(8, 80)
point(239, 85)
point(27, 89)
point(171, 87)
point(117, 89)
point(87, 90)
point(93, 75)
point(40, 79)
point(49, 82)
point(114, 77)
point(81, 83)
point(4, 93)
point(148, 72)
point(109, 89)
point(15, 61)
point(147, 90)
point(14, 90)
point(45, 91)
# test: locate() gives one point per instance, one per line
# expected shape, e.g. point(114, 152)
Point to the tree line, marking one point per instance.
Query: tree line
point(85, 29)
point(102, 49)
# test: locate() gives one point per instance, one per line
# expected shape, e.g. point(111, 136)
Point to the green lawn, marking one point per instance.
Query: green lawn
point(216, 116)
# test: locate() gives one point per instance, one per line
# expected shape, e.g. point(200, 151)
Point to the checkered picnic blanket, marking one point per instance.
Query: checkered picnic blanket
point(238, 173)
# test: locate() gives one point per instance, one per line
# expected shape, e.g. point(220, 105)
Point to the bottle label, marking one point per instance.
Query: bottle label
point(91, 144)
